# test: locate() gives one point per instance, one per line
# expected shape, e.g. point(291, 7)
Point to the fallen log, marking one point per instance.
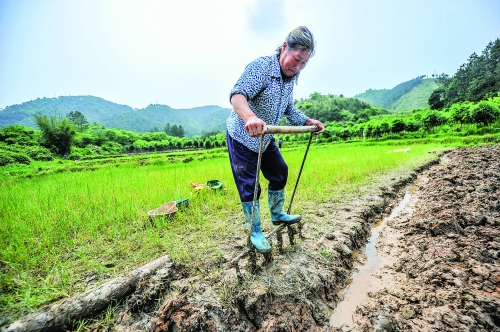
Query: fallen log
point(62, 313)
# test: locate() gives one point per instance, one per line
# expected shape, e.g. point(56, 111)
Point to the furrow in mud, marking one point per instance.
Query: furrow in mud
point(446, 276)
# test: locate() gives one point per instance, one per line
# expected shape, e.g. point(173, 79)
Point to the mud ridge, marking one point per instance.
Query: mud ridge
point(447, 274)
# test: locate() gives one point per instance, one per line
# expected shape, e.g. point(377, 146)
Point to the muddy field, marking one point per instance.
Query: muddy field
point(440, 268)
point(447, 242)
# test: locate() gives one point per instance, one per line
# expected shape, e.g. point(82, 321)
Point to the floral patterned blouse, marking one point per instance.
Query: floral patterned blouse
point(269, 97)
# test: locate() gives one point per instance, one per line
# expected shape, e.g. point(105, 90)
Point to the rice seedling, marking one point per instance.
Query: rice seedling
point(68, 231)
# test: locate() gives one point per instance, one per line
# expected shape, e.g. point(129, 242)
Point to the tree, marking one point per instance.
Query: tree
point(78, 119)
point(168, 129)
point(180, 131)
point(174, 130)
point(412, 126)
point(484, 113)
point(475, 80)
point(57, 134)
point(460, 112)
point(385, 127)
point(397, 126)
point(432, 119)
point(436, 99)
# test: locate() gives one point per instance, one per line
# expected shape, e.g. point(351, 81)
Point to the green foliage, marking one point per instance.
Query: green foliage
point(206, 134)
point(484, 112)
point(399, 90)
point(24, 142)
point(373, 96)
point(78, 119)
point(412, 125)
point(57, 134)
point(175, 131)
point(10, 157)
point(460, 112)
point(327, 108)
point(96, 141)
point(397, 125)
point(95, 109)
point(417, 97)
point(433, 118)
point(38, 153)
point(17, 134)
point(476, 80)
point(436, 99)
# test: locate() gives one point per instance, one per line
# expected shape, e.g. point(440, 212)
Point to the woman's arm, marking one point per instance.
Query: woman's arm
point(253, 124)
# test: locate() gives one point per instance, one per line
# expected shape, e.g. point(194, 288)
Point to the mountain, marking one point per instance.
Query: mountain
point(95, 109)
point(408, 95)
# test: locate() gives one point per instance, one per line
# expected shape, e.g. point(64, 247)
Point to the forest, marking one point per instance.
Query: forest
point(477, 79)
point(467, 103)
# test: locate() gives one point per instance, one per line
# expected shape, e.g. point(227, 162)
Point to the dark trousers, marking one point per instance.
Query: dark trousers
point(244, 167)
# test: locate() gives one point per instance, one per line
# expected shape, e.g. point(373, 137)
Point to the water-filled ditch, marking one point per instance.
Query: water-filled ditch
point(364, 279)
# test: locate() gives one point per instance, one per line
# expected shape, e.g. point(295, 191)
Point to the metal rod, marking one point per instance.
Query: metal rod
point(256, 188)
point(300, 172)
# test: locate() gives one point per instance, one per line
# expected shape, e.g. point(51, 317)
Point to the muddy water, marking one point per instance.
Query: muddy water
point(364, 279)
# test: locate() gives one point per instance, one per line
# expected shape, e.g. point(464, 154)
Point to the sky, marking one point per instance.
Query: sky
point(189, 53)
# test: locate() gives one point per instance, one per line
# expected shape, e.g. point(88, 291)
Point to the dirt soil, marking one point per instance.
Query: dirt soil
point(441, 269)
point(447, 275)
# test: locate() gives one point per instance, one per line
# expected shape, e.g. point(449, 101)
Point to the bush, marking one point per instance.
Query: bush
point(5, 159)
point(485, 113)
point(39, 153)
point(112, 148)
point(17, 134)
point(9, 157)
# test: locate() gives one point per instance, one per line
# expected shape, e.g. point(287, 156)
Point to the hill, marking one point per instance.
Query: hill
point(112, 115)
point(417, 97)
point(327, 108)
point(408, 95)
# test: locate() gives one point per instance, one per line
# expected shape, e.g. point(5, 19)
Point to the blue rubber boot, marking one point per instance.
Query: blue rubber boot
point(276, 202)
point(257, 238)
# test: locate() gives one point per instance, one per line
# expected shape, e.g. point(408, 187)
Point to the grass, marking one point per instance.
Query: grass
point(66, 232)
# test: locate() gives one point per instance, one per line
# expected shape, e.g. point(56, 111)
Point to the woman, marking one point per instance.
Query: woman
point(262, 96)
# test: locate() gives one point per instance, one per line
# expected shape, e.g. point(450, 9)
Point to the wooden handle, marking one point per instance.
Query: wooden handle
point(290, 129)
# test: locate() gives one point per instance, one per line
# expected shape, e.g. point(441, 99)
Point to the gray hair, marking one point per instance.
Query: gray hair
point(299, 39)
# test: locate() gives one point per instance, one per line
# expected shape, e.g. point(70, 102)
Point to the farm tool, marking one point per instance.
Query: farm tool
point(251, 252)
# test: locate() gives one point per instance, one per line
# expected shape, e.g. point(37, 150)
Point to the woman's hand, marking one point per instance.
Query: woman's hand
point(312, 122)
point(255, 126)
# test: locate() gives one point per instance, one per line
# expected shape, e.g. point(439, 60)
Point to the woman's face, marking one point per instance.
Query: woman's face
point(292, 62)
